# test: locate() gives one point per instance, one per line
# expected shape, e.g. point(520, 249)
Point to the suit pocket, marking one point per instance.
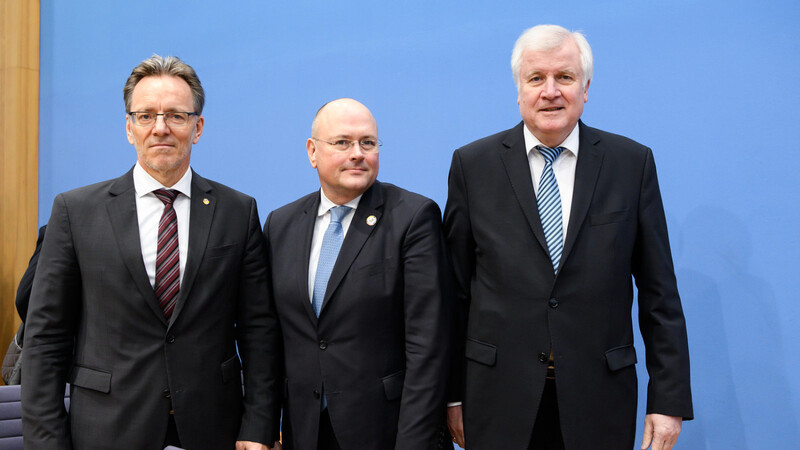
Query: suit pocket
point(393, 384)
point(231, 369)
point(602, 219)
point(96, 380)
point(620, 357)
point(481, 352)
point(223, 250)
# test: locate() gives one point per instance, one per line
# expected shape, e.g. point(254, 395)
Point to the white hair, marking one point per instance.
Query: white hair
point(549, 37)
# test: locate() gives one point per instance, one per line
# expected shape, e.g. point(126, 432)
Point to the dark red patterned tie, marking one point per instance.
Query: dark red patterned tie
point(168, 264)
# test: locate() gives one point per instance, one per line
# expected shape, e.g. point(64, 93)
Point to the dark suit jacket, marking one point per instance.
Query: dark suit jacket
point(515, 309)
point(94, 321)
point(379, 346)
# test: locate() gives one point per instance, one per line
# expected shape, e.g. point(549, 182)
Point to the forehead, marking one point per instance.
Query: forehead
point(165, 90)
point(565, 57)
point(348, 122)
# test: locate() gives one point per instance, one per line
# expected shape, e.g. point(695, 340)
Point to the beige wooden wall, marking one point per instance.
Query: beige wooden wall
point(19, 150)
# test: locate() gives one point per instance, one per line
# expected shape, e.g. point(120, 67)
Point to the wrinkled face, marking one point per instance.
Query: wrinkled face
point(552, 92)
point(343, 175)
point(163, 150)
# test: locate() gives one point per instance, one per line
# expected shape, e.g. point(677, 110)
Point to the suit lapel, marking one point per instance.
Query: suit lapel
point(587, 169)
point(303, 252)
point(515, 159)
point(201, 214)
point(371, 204)
point(121, 207)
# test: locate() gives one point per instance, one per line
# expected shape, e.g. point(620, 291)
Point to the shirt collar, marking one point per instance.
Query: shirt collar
point(144, 183)
point(325, 204)
point(571, 143)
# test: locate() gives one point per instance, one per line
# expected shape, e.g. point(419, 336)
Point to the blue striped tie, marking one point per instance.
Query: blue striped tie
point(331, 243)
point(549, 202)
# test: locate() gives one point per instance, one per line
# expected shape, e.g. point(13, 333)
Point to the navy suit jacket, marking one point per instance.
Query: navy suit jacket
point(379, 348)
point(514, 309)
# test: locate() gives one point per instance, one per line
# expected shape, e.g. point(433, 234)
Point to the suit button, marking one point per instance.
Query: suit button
point(323, 345)
point(165, 393)
point(542, 357)
point(170, 339)
point(553, 303)
point(316, 393)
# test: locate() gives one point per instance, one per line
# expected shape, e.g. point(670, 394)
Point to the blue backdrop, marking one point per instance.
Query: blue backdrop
point(711, 86)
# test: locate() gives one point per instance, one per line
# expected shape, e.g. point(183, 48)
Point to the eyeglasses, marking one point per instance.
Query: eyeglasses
point(343, 145)
point(175, 119)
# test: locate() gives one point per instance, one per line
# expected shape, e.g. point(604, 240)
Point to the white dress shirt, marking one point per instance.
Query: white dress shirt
point(149, 209)
point(321, 224)
point(563, 168)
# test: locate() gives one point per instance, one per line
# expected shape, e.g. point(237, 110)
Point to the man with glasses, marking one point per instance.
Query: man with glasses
point(147, 285)
point(360, 283)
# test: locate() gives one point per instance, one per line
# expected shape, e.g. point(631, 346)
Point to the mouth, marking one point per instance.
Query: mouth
point(551, 109)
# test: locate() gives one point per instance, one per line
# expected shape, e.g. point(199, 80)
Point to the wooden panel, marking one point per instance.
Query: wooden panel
point(19, 149)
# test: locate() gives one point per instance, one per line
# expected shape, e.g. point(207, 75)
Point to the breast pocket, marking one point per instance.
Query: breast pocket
point(607, 218)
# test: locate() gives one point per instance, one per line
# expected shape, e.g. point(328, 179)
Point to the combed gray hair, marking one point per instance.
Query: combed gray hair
point(549, 37)
point(159, 66)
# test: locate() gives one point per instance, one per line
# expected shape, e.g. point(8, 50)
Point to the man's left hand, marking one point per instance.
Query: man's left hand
point(660, 431)
point(249, 445)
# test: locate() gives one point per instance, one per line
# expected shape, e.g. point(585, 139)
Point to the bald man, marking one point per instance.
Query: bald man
point(360, 282)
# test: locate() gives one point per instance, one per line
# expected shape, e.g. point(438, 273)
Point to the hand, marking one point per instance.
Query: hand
point(455, 424)
point(661, 431)
point(250, 445)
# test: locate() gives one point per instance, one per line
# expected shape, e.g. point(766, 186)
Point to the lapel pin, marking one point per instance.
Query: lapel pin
point(206, 201)
point(372, 220)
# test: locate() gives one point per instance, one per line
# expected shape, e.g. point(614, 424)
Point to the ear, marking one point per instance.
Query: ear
point(198, 129)
point(586, 91)
point(311, 148)
point(128, 132)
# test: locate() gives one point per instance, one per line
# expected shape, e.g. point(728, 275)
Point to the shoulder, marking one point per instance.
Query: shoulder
point(290, 210)
point(611, 141)
point(225, 195)
point(489, 143)
point(404, 201)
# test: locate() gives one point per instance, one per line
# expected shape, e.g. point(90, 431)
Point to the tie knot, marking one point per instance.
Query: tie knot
point(167, 196)
point(337, 212)
point(549, 154)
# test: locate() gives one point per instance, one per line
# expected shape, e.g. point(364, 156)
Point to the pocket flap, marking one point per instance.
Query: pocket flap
point(620, 357)
point(96, 380)
point(230, 369)
point(602, 219)
point(481, 352)
point(393, 384)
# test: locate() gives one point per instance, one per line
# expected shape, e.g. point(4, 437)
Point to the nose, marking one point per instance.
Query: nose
point(160, 127)
point(550, 89)
point(356, 152)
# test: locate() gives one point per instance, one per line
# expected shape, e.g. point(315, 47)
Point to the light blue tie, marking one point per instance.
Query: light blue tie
point(549, 202)
point(331, 243)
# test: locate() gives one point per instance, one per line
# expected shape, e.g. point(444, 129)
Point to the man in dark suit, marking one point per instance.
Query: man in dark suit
point(547, 223)
point(359, 280)
point(142, 319)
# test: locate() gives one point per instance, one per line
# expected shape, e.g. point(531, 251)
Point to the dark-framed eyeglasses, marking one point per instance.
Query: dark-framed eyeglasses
point(343, 145)
point(174, 119)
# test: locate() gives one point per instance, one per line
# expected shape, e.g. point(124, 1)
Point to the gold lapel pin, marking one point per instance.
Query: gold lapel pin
point(372, 220)
point(206, 201)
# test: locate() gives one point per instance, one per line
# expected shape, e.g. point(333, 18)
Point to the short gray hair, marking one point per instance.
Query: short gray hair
point(160, 66)
point(548, 37)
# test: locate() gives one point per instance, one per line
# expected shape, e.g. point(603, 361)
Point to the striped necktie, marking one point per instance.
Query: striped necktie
point(549, 203)
point(168, 265)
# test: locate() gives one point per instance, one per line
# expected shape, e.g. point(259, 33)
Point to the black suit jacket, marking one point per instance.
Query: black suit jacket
point(514, 309)
point(379, 346)
point(93, 320)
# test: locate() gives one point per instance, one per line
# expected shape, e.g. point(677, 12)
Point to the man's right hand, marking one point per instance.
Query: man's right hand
point(455, 424)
